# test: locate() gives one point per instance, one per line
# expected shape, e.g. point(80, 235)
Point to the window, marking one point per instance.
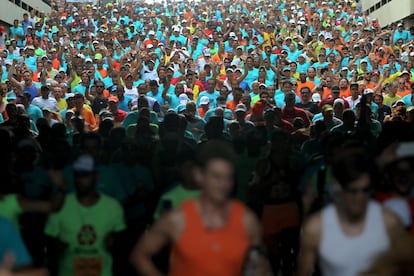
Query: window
point(378, 5)
point(17, 2)
point(24, 6)
point(372, 9)
point(383, 2)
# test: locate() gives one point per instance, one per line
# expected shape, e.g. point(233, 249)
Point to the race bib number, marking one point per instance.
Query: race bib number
point(87, 266)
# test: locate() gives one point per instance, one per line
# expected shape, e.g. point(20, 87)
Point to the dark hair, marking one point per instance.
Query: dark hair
point(214, 149)
point(305, 88)
point(351, 163)
point(92, 137)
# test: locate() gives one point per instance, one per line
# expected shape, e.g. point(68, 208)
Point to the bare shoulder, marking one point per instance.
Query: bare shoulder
point(392, 223)
point(250, 217)
point(170, 224)
point(312, 229)
point(252, 226)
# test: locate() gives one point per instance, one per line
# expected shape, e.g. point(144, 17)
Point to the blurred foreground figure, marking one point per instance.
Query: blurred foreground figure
point(398, 261)
point(349, 234)
point(82, 233)
point(14, 257)
point(210, 235)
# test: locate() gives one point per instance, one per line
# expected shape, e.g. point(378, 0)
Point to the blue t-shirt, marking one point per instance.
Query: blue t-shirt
point(34, 112)
point(211, 96)
point(12, 243)
point(252, 75)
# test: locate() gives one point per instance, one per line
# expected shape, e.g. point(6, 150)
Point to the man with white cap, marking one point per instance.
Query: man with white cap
point(202, 61)
point(240, 116)
point(400, 33)
point(211, 93)
point(369, 93)
point(149, 71)
point(203, 106)
point(177, 36)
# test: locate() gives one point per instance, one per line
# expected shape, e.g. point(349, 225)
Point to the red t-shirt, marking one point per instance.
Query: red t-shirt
point(291, 114)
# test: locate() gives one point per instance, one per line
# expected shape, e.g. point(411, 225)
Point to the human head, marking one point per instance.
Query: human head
point(85, 174)
point(214, 170)
point(305, 93)
point(352, 168)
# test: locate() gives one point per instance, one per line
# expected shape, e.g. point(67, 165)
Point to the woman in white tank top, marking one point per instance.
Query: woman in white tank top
point(348, 235)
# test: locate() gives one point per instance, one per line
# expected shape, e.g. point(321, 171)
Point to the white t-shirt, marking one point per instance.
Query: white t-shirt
point(132, 93)
point(50, 103)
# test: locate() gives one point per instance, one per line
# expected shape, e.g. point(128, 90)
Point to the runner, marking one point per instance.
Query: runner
point(83, 229)
point(360, 227)
point(225, 229)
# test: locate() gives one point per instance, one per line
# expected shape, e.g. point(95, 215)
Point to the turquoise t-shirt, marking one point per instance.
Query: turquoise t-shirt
point(11, 242)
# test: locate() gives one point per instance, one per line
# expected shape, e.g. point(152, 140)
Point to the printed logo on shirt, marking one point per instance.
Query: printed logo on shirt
point(87, 235)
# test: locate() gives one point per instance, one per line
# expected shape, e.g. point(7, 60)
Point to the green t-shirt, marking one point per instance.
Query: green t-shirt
point(10, 208)
point(85, 229)
point(176, 196)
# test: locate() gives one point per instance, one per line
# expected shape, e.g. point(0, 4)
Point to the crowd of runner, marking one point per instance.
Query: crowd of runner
point(126, 129)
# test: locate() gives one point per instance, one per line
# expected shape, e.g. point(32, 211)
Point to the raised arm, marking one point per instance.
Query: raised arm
point(10, 77)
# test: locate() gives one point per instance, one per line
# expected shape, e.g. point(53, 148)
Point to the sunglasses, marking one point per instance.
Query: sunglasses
point(99, 86)
point(366, 191)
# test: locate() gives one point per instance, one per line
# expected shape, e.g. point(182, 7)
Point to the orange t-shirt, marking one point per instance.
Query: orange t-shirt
point(103, 72)
point(90, 121)
point(201, 112)
point(403, 93)
point(309, 84)
point(202, 251)
point(326, 92)
point(345, 93)
point(216, 57)
point(370, 85)
point(231, 105)
point(56, 63)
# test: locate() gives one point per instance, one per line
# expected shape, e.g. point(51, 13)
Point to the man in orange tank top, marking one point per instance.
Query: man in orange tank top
point(210, 235)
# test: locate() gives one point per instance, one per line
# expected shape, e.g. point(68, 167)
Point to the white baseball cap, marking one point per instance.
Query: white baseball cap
point(204, 100)
point(183, 98)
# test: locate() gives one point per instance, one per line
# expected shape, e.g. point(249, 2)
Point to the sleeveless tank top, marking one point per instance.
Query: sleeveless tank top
point(32, 90)
point(204, 252)
point(341, 255)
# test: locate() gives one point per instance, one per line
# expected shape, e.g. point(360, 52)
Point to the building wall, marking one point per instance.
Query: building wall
point(14, 9)
point(389, 11)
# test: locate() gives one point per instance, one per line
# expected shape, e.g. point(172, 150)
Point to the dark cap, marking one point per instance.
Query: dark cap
point(335, 89)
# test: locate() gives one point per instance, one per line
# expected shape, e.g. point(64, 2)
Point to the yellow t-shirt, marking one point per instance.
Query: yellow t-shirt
point(62, 104)
point(390, 100)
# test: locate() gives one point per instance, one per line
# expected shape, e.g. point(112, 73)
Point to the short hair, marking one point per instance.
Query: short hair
point(305, 88)
point(351, 163)
point(290, 94)
point(215, 149)
point(90, 136)
point(287, 82)
point(263, 93)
